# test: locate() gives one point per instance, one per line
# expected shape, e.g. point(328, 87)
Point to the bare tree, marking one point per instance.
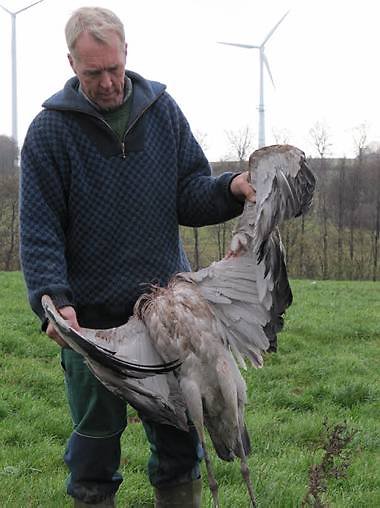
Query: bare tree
point(9, 221)
point(241, 143)
point(336, 198)
point(321, 140)
point(9, 154)
point(201, 137)
point(354, 192)
point(360, 135)
point(281, 136)
point(223, 234)
point(8, 204)
point(320, 137)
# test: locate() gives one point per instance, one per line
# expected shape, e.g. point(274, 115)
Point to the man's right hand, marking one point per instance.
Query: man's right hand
point(68, 313)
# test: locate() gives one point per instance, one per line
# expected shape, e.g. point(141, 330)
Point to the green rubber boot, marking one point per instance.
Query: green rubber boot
point(186, 495)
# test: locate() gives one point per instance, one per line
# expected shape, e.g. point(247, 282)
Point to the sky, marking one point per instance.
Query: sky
point(323, 58)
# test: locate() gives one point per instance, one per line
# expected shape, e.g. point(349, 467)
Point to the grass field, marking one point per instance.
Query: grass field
point(327, 367)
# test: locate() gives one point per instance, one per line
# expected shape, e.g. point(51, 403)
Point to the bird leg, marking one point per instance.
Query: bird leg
point(245, 470)
point(193, 399)
point(212, 483)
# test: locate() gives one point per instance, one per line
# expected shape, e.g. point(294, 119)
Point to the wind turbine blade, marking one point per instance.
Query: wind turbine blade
point(266, 63)
point(29, 6)
point(6, 10)
point(248, 46)
point(274, 28)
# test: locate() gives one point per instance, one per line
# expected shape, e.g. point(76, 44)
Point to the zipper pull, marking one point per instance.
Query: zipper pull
point(123, 152)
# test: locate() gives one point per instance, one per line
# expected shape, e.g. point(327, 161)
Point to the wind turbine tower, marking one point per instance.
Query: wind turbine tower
point(263, 63)
point(14, 65)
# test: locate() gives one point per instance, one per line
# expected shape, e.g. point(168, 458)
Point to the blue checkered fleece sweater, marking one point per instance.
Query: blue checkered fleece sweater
point(99, 218)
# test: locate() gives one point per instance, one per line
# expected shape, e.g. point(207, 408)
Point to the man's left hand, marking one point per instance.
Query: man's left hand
point(242, 189)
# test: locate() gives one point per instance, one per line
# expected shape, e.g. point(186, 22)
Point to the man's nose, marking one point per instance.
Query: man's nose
point(105, 81)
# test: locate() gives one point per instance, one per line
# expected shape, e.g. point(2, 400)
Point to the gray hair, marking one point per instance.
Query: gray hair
point(96, 21)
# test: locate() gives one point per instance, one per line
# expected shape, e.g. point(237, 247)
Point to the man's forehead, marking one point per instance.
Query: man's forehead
point(87, 45)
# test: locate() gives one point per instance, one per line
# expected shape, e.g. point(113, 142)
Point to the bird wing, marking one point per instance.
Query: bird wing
point(126, 362)
point(249, 290)
point(284, 185)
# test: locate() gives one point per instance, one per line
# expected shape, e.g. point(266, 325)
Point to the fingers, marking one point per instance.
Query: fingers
point(68, 313)
point(242, 189)
point(54, 335)
point(250, 193)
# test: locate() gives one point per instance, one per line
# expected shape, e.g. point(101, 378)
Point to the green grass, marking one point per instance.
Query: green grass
point(327, 367)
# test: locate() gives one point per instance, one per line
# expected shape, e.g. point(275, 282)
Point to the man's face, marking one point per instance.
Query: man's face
point(100, 69)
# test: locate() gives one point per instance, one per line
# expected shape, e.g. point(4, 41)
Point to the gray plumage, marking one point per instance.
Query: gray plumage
point(185, 341)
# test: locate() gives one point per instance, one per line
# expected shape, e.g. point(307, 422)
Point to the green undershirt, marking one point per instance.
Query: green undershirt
point(118, 118)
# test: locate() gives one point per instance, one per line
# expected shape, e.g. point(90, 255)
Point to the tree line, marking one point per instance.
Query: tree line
point(338, 239)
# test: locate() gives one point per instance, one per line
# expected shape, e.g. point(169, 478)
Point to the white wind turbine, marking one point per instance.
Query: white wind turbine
point(13, 15)
point(263, 62)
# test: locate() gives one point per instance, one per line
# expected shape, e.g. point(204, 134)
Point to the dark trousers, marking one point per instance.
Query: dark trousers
point(93, 450)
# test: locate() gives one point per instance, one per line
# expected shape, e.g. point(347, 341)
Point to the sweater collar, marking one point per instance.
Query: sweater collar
point(145, 93)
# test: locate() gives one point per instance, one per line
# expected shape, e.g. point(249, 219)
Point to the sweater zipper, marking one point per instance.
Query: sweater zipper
point(124, 154)
point(122, 144)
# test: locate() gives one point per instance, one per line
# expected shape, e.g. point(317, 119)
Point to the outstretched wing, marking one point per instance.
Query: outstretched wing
point(249, 291)
point(126, 362)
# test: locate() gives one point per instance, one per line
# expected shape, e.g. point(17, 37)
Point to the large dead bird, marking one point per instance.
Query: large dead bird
point(179, 353)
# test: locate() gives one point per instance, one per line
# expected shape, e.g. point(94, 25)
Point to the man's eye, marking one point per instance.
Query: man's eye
point(93, 74)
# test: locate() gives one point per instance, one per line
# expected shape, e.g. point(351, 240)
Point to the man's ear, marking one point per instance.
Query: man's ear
point(71, 61)
point(126, 49)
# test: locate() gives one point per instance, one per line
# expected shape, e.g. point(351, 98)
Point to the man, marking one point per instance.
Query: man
point(110, 169)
